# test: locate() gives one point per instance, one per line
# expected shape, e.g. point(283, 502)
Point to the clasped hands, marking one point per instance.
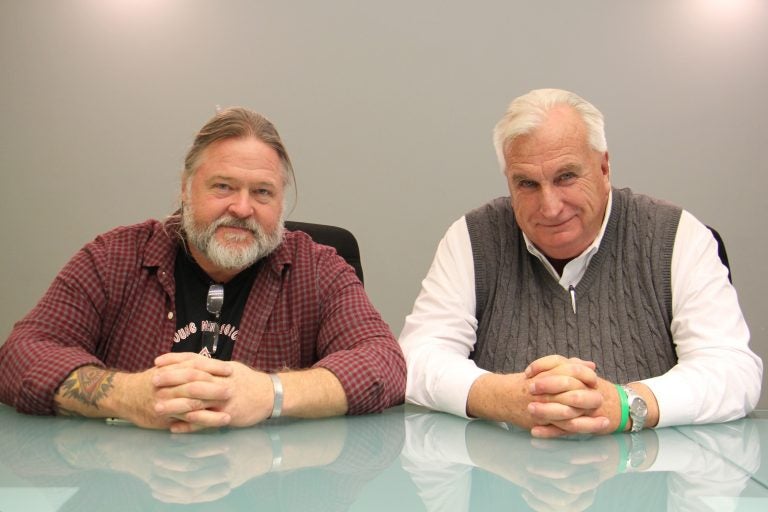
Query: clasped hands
point(186, 392)
point(567, 397)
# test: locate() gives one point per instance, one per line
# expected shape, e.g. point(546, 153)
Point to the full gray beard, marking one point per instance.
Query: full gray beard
point(231, 258)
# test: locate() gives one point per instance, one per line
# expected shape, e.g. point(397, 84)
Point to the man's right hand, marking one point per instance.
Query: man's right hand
point(95, 392)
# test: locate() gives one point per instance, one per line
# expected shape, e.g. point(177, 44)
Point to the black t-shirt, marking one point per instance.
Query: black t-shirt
point(192, 316)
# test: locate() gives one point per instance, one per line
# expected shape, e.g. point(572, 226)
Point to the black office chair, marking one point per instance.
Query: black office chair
point(340, 239)
point(721, 251)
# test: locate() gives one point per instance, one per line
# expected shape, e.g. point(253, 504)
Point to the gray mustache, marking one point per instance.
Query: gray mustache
point(232, 222)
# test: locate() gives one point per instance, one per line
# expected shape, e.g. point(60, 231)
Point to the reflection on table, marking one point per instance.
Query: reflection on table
point(404, 459)
point(462, 465)
point(84, 465)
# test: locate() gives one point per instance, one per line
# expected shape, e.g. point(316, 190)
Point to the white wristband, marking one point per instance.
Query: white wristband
point(277, 407)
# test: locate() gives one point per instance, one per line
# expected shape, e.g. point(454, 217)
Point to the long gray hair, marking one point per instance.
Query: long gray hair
point(234, 123)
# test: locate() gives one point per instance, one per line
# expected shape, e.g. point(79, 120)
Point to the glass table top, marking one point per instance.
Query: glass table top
point(405, 459)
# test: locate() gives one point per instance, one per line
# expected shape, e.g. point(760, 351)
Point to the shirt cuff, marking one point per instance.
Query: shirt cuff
point(41, 382)
point(371, 382)
point(675, 407)
point(447, 387)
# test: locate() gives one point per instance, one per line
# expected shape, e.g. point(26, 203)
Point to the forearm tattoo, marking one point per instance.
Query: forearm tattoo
point(86, 385)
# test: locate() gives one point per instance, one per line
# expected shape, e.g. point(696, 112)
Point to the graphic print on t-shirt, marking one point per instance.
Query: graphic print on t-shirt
point(206, 326)
point(194, 324)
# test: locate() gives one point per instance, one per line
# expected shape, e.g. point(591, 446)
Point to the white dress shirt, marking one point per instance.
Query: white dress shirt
point(717, 377)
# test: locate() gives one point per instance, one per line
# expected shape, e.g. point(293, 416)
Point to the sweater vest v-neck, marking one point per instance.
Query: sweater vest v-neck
point(623, 303)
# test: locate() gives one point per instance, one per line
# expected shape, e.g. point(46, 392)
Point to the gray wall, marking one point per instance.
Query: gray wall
point(386, 108)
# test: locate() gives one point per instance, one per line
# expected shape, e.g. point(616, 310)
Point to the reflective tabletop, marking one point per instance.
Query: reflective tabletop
point(405, 459)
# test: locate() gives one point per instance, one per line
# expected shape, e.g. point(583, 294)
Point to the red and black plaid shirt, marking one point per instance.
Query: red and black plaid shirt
point(113, 306)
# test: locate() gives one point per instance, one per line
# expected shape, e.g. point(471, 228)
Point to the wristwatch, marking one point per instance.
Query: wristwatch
point(638, 409)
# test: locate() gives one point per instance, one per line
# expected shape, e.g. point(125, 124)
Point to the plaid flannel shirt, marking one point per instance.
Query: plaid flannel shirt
point(112, 306)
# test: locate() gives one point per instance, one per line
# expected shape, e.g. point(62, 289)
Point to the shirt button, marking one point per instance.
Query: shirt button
point(170, 315)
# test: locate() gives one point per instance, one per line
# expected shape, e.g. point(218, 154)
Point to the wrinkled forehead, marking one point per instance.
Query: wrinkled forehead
point(560, 127)
point(222, 151)
point(552, 144)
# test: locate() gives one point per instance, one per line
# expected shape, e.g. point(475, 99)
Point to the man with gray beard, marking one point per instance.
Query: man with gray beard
point(215, 317)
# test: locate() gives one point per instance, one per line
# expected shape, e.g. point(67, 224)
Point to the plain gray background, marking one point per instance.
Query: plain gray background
point(386, 108)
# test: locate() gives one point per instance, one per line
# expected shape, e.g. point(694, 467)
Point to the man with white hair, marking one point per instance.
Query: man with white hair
point(574, 307)
point(214, 317)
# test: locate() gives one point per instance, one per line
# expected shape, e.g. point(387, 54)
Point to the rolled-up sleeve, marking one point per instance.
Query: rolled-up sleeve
point(355, 343)
point(52, 340)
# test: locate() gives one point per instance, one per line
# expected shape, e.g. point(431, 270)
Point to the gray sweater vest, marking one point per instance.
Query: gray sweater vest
point(623, 302)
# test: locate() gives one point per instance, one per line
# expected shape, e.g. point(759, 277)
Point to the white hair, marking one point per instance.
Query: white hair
point(526, 113)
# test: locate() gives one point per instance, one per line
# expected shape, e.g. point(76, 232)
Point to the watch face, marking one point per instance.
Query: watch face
point(638, 407)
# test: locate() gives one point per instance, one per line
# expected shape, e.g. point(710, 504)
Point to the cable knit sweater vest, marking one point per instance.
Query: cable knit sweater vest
point(623, 302)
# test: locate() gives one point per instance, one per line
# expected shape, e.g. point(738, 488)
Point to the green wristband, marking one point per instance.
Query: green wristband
point(624, 408)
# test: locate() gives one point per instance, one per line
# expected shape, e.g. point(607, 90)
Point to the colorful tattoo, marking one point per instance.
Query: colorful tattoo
point(87, 385)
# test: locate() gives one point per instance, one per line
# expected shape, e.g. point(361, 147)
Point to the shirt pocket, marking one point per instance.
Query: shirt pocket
point(279, 351)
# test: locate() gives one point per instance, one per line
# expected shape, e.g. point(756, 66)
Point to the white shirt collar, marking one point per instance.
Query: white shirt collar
point(574, 270)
